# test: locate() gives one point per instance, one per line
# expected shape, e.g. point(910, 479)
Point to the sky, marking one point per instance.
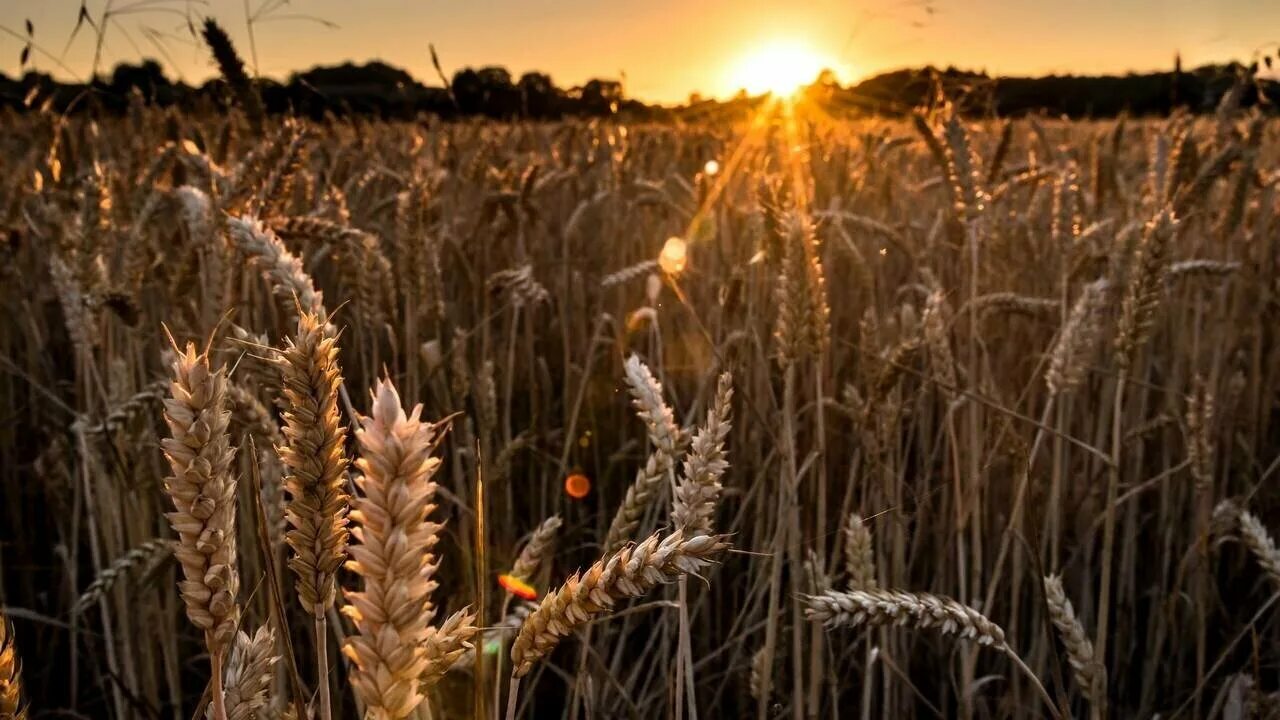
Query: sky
point(663, 49)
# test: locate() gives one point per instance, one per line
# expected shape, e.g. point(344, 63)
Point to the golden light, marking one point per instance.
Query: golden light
point(779, 68)
point(711, 168)
point(673, 257)
point(577, 485)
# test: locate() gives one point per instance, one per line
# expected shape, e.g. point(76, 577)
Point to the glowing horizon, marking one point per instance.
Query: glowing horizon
point(665, 50)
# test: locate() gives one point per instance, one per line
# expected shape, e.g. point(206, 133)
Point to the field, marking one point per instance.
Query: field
point(795, 416)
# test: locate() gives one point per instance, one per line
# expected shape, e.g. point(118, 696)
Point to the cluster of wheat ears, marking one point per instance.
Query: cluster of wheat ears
point(1006, 384)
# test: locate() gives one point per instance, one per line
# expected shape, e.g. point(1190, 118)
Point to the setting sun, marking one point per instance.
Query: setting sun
point(779, 68)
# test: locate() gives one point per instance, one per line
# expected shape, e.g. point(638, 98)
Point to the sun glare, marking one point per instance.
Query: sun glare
point(779, 68)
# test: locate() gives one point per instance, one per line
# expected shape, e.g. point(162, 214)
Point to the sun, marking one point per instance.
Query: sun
point(780, 67)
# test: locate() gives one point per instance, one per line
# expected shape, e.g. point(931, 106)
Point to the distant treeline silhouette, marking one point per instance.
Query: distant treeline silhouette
point(382, 90)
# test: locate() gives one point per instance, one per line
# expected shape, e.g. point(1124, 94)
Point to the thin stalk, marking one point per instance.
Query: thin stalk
point(1109, 528)
point(322, 667)
point(793, 540)
point(512, 694)
point(218, 702)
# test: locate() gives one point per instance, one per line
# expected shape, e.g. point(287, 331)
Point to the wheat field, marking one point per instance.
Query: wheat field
point(791, 416)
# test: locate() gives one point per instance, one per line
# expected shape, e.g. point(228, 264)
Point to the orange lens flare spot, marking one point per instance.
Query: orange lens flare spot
point(517, 587)
point(577, 486)
point(674, 256)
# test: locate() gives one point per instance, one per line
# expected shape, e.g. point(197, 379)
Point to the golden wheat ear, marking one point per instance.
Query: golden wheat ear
point(631, 572)
point(396, 653)
point(203, 491)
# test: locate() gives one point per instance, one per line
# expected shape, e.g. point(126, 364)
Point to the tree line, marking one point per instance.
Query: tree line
point(381, 90)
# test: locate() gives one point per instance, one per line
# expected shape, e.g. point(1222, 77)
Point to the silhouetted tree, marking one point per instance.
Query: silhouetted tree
point(601, 97)
point(539, 97)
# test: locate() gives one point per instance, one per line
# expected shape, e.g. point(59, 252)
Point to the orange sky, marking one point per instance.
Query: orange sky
point(669, 48)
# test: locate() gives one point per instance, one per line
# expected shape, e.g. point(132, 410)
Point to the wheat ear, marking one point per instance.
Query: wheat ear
point(920, 610)
point(859, 554)
point(538, 550)
point(315, 476)
point(203, 491)
point(895, 607)
point(146, 554)
point(630, 572)
point(1145, 287)
point(392, 555)
point(1259, 542)
point(696, 494)
point(664, 435)
point(281, 268)
point(1090, 674)
point(315, 461)
point(1078, 339)
point(248, 674)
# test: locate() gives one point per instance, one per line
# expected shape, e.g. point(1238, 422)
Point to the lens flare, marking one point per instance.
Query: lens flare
point(517, 587)
point(577, 485)
point(674, 256)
